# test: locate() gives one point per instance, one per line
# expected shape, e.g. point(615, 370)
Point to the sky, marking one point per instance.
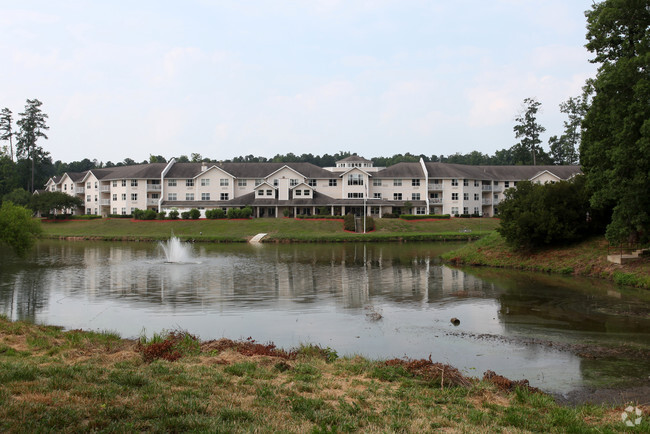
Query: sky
point(130, 79)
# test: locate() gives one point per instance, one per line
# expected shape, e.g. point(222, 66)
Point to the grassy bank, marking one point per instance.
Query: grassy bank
point(79, 381)
point(588, 258)
point(279, 230)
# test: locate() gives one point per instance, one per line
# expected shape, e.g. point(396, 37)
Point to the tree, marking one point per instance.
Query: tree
point(615, 146)
point(17, 228)
point(18, 196)
point(49, 201)
point(539, 215)
point(6, 130)
point(564, 149)
point(528, 130)
point(157, 159)
point(32, 124)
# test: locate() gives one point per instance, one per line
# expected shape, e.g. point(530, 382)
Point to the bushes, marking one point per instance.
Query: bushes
point(173, 214)
point(348, 223)
point(318, 216)
point(237, 213)
point(195, 214)
point(140, 214)
point(536, 215)
point(422, 216)
point(215, 214)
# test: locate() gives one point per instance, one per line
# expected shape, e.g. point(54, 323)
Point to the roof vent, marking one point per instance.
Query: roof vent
point(204, 167)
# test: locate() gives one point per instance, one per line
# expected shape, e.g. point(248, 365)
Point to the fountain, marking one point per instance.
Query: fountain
point(176, 251)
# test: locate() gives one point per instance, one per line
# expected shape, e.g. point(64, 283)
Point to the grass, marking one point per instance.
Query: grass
point(98, 382)
point(588, 258)
point(279, 230)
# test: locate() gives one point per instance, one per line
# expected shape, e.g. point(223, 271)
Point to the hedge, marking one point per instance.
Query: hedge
point(424, 216)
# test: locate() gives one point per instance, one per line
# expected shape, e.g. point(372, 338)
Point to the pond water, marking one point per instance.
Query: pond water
point(376, 300)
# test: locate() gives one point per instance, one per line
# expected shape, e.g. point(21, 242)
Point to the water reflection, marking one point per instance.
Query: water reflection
point(291, 294)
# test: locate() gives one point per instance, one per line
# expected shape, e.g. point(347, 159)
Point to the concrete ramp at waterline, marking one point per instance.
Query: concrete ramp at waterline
point(257, 238)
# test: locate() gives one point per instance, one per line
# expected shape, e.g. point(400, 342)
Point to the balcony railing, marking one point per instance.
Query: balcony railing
point(497, 188)
point(435, 200)
point(154, 187)
point(486, 188)
point(435, 186)
point(80, 190)
point(152, 201)
point(487, 201)
point(105, 202)
point(106, 189)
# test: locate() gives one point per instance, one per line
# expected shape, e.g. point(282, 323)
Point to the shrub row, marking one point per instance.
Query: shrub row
point(349, 225)
point(424, 216)
point(319, 216)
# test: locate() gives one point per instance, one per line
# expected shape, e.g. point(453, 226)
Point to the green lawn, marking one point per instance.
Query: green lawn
point(278, 229)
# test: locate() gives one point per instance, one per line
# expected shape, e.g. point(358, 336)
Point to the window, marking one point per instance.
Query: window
point(465, 196)
point(298, 192)
point(476, 183)
point(124, 185)
point(95, 198)
point(421, 210)
point(205, 182)
point(115, 185)
point(454, 196)
point(332, 182)
point(134, 183)
point(466, 182)
point(189, 183)
point(476, 197)
point(88, 198)
point(275, 183)
point(496, 196)
point(171, 183)
point(397, 182)
point(189, 196)
point(355, 179)
point(293, 182)
point(376, 182)
point(171, 196)
point(376, 195)
point(476, 210)
point(155, 195)
point(241, 183)
point(88, 185)
point(507, 184)
point(205, 196)
point(88, 211)
point(134, 196)
point(95, 185)
point(397, 196)
point(465, 210)
point(415, 196)
point(454, 182)
point(454, 210)
point(224, 182)
point(65, 187)
point(224, 196)
point(415, 182)
point(114, 210)
point(258, 182)
point(269, 192)
point(123, 211)
point(355, 195)
point(123, 196)
point(312, 183)
point(496, 182)
point(305, 192)
point(260, 192)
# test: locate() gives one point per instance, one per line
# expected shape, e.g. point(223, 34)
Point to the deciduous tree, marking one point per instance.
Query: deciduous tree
point(615, 147)
point(17, 228)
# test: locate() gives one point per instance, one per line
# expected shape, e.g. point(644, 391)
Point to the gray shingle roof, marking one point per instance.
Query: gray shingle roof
point(401, 170)
point(354, 159)
point(505, 173)
point(249, 170)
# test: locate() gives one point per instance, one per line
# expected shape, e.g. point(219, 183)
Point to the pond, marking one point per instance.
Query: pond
point(376, 300)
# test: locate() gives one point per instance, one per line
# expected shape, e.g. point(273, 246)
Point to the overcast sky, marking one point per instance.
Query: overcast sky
point(226, 78)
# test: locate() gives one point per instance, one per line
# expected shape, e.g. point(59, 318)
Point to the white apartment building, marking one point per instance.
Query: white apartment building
point(273, 189)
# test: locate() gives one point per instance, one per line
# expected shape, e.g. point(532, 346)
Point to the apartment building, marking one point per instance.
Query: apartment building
point(354, 185)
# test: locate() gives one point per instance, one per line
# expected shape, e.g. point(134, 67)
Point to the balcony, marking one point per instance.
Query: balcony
point(105, 202)
point(152, 202)
point(435, 186)
point(80, 190)
point(497, 188)
point(106, 189)
point(487, 202)
point(486, 187)
point(154, 187)
point(435, 200)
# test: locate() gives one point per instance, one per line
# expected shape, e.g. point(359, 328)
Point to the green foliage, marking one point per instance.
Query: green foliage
point(32, 125)
point(528, 130)
point(185, 215)
point(239, 213)
point(195, 214)
point(348, 223)
point(48, 201)
point(173, 214)
point(161, 215)
point(216, 213)
point(286, 212)
point(19, 196)
point(17, 228)
point(616, 129)
point(536, 215)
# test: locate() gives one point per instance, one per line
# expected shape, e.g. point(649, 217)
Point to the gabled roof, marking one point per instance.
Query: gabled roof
point(303, 184)
point(537, 175)
point(354, 159)
point(402, 170)
point(263, 184)
point(497, 173)
point(215, 167)
point(354, 168)
point(284, 167)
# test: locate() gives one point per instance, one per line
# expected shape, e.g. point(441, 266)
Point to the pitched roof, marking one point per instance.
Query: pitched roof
point(402, 170)
point(354, 159)
point(512, 173)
